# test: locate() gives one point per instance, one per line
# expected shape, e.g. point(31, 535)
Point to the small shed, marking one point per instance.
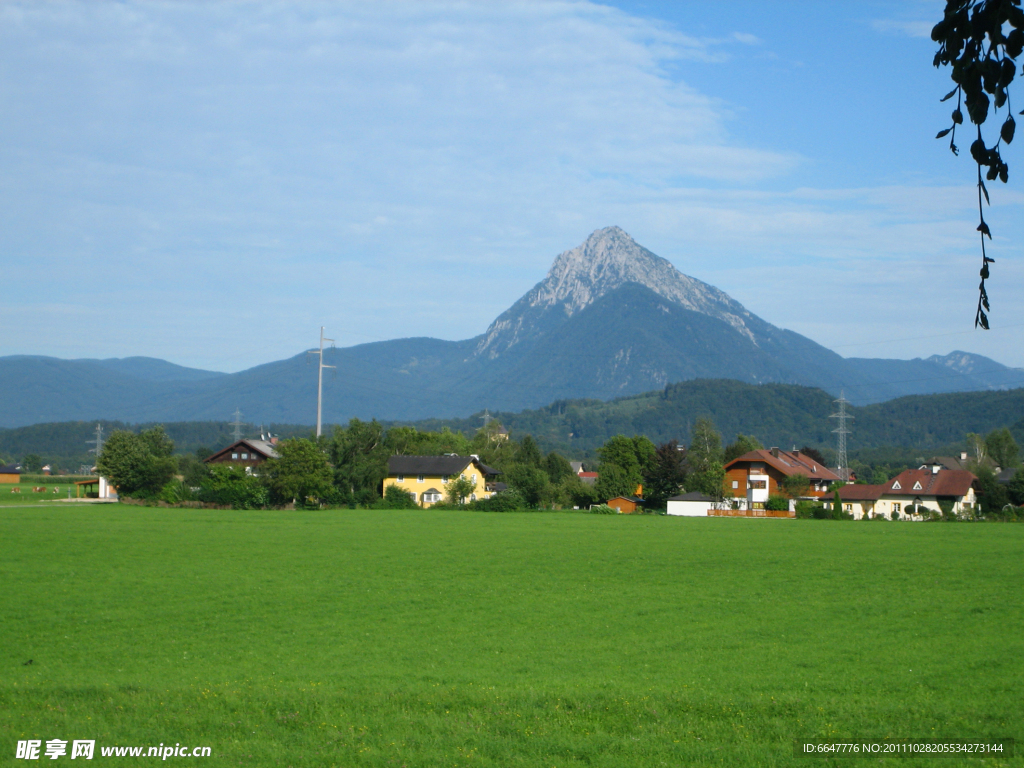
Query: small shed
point(693, 504)
point(95, 488)
point(10, 474)
point(626, 505)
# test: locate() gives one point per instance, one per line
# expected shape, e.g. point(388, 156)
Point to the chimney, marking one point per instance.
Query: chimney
point(796, 453)
point(963, 456)
point(273, 440)
point(775, 452)
point(935, 469)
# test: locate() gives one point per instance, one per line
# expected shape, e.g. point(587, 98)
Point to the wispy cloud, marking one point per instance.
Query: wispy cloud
point(908, 28)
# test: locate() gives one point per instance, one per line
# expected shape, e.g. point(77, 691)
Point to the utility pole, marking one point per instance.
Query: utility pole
point(487, 417)
point(97, 441)
point(237, 424)
point(841, 433)
point(320, 377)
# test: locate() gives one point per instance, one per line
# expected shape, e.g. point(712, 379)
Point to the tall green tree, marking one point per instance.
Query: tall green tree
point(301, 472)
point(128, 463)
point(1015, 488)
point(704, 460)
point(705, 446)
point(614, 481)
point(528, 454)
point(360, 453)
point(557, 467)
point(633, 455)
point(666, 476)
point(1002, 448)
point(741, 445)
point(528, 481)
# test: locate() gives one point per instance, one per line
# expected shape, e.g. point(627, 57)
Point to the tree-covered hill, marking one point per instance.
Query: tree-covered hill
point(783, 415)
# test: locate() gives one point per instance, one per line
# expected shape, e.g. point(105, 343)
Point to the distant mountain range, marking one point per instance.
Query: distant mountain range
point(610, 319)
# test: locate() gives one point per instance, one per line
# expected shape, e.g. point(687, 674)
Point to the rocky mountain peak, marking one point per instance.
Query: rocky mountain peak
point(605, 261)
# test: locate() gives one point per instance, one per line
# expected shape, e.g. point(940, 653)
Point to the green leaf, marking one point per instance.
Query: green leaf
point(940, 134)
point(950, 94)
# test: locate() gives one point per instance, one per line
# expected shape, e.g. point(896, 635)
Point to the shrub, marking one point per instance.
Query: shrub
point(396, 498)
point(809, 509)
point(232, 487)
point(777, 504)
point(506, 501)
point(602, 509)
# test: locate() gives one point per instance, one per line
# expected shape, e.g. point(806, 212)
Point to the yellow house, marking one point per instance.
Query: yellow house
point(10, 474)
point(427, 477)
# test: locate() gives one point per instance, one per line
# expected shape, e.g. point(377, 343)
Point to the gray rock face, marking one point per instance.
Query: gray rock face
point(607, 260)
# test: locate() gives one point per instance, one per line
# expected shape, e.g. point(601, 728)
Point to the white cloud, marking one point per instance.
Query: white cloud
point(908, 28)
point(219, 180)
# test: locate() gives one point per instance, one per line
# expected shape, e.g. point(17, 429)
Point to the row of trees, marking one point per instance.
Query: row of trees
point(348, 468)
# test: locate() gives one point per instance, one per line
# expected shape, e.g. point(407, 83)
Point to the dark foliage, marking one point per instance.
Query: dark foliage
point(980, 41)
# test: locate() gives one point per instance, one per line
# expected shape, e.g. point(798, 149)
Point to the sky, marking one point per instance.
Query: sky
point(209, 183)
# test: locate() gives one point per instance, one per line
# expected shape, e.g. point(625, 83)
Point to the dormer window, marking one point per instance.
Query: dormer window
point(896, 486)
point(917, 486)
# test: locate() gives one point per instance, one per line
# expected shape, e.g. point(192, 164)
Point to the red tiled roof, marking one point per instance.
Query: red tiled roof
point(945, 482)
point(788, 464)
point(589, 474)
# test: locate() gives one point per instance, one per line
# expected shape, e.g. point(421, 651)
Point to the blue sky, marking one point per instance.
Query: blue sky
point(211, 182)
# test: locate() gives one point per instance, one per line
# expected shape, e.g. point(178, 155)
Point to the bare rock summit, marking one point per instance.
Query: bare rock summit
point(607, 260)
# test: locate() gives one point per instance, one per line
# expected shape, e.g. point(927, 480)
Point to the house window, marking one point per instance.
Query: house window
point(472, 497)
point(735, 484)
point(245, 455)
point(848, 507)
point(445, 478)
point(419, 478)
point(413, 496)
point(401, 478)
point(234, 455)
point(896, 506)
point(462, 476)
point(758, 485)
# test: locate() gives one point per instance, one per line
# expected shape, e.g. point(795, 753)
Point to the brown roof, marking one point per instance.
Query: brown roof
point(923, 482)
point(861, 492)
point(262, 447)
point(788, 463)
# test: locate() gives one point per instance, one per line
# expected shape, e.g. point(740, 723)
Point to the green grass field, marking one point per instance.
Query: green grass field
point(350, 638)
point(25, 494)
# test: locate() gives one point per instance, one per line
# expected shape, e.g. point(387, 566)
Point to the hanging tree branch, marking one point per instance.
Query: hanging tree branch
point(981, 40)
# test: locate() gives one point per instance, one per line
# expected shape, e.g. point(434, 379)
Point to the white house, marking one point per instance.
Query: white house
point(690, 505)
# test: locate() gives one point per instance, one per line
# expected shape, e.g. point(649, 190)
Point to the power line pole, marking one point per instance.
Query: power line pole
point(487, 417)
point(320, 377)
point(237, 424)
point(842, 432)
point(97, 441)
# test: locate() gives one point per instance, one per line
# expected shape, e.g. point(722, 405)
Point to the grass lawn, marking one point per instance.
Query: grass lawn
point(25, 494)
point(421, 638)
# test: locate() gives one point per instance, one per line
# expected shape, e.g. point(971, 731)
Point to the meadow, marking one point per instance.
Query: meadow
point(420, 638)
